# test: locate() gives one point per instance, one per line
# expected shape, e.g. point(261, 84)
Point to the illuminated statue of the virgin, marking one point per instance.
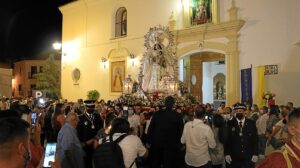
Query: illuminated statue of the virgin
point(158, 61)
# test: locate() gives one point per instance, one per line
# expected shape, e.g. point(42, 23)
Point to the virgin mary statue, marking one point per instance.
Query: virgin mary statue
point(158, 61)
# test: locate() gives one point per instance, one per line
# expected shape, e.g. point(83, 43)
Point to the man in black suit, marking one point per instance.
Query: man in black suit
point(241, 148)
point(164, 133)
point(89, 124)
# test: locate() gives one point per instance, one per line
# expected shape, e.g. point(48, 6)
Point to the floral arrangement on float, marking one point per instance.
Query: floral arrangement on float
point(269, 98)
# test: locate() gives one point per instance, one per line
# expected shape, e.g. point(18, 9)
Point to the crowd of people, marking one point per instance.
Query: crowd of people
point(129, 133)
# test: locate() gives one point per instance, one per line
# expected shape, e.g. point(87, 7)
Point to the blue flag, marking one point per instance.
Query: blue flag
point(246, 85)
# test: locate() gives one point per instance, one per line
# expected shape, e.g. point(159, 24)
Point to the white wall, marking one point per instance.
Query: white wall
point(210, 69)
point(268, 37)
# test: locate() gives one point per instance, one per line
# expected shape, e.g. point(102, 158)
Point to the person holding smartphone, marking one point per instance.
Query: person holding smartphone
point(36, 149)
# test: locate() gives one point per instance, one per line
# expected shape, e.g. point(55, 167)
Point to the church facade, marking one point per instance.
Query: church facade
point(103, 42)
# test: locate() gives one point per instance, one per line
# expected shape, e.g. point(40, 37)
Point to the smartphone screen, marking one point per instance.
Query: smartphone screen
point(49, 154)
point(33, 118)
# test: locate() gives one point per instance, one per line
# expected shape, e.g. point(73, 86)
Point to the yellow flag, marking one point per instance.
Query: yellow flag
point(261, 85)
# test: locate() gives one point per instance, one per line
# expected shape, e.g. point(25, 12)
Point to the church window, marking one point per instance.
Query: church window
point(121, 22)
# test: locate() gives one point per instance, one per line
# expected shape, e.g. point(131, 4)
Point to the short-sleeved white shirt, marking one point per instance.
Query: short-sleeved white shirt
point(198, 137)
point(131, 147)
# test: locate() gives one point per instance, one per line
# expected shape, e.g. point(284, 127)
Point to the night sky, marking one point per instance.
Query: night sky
point(28, 28)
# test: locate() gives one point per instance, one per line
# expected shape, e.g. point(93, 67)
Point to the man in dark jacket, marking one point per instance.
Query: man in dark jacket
point(164, 132)
point(241, 148)
point(89, 124)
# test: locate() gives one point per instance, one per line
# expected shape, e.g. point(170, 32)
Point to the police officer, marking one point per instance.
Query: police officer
point(89, 124)
point(241, 148)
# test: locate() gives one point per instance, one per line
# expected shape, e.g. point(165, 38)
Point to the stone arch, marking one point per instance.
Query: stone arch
point(220, 38)
point(192, 49)
point(118, 53)
point(193, 66)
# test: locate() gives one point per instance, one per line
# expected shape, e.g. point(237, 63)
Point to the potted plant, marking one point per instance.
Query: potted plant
point(93, 95)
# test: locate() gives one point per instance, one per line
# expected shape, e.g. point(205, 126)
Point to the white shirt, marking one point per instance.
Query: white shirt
point(88, 115)
point(134, 120)
point(261, 124)
point(131, 147)
point(147, 125)
point(198, 137)
point(243, 122)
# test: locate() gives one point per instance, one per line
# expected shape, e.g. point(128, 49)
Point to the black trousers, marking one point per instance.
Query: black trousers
point(242, 163)
point(167, 158)
point(207, 165)
point(217, 166)
point(88, 159)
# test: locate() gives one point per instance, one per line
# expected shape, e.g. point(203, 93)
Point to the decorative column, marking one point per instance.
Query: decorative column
point(216, 11)
point(232, 71)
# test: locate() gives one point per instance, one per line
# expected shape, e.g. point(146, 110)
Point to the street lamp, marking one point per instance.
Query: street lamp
point(104, 60)
point(132, 57)
point(57, 46)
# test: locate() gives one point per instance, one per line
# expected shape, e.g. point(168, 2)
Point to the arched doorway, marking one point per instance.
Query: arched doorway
point(221, 38)
point(204, 74)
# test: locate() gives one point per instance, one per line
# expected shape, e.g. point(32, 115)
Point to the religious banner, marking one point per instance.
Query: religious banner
point(117, 72)
point(261, 86)
point(246, 85)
